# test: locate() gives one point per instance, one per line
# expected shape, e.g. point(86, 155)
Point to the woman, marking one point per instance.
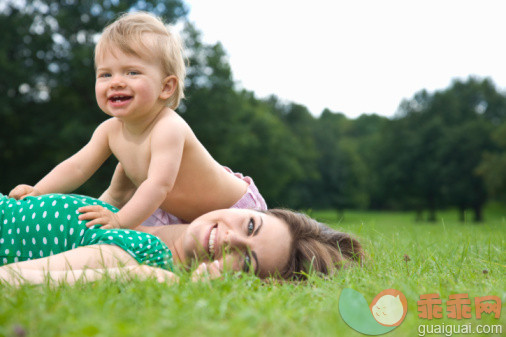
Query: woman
point(42, 236)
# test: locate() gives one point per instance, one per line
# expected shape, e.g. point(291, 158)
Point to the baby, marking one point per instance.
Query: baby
point(162, 166)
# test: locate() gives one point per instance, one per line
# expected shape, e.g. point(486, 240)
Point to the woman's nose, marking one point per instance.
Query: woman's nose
point(235, 240)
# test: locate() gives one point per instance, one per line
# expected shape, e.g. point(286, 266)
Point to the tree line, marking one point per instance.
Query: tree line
point(441, 149)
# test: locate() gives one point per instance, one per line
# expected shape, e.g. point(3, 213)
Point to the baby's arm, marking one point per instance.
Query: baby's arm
point(120, 190)
point(74, 171)
point(166, 154)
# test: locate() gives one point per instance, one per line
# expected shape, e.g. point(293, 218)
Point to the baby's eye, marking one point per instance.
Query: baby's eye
point(133, 72)
point(104, 75)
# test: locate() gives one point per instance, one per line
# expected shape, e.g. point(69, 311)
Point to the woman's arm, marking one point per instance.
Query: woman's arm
point(16, 275)
point(86, 264)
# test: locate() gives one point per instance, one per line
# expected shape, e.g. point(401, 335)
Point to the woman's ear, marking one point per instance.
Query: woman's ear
point(169, 86)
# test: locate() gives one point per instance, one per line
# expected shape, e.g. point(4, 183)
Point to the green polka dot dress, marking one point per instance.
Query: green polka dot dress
point(41, 226)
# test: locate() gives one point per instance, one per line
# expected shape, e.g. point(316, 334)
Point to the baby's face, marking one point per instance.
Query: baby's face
point(128, 86)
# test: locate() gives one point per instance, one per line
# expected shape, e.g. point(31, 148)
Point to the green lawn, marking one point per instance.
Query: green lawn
point(446, 257)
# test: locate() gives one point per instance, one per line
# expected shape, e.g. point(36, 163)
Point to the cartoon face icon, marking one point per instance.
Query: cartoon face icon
point(389, 307)
point(388, 310)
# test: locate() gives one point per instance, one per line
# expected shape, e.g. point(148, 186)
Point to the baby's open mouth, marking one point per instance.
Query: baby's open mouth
point(119, 98)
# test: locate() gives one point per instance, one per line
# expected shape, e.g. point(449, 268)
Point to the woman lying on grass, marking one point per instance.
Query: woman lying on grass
point(42, 238)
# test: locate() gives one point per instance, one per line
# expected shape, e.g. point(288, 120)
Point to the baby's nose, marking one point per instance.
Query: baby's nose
point(117, 81)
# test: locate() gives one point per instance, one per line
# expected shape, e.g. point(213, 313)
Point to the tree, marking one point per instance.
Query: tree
point(366, 132)
point(435, 145)
point(477, 109)
point(301, 124)
point(341, 168)
point(492, 168)
point(403, 158)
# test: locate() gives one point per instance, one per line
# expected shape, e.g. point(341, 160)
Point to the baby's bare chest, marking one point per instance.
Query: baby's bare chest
point(134, 156)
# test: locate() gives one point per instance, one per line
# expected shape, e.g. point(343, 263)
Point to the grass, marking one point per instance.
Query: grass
point(446, 257)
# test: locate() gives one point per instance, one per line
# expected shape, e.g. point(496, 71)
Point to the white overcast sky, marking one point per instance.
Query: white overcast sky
point(355, 56)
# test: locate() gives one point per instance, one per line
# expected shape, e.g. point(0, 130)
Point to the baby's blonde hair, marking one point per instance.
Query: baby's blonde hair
point(128, 34)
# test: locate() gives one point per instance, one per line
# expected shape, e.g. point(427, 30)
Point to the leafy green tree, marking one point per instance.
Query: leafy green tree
point(342, 169)
point(398, 157)
point(366, 131)
point(301, 124)
point(477, 109)
point(467, 111)
point(433, 148)
point(463, 151)
point(492, 168)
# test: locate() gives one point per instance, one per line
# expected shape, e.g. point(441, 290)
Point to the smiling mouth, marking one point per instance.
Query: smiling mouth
point(212, 242)
point(119, 98)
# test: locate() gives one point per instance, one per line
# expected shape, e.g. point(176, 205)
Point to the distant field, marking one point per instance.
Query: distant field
point(446, 257)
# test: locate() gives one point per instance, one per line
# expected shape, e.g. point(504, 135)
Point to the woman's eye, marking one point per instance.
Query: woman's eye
point(247, 264)
point(251, 226)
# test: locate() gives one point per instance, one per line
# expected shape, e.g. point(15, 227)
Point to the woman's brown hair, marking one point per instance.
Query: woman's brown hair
point(316, 247)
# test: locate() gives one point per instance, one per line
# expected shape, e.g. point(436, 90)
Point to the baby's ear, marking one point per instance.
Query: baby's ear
point(169, 86)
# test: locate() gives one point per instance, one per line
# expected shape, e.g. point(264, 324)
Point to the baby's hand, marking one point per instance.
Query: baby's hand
point(207, 271)
point(99, 215)
point(22, 191)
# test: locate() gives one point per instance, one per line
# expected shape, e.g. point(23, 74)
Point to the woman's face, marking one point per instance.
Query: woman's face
point(239, 239)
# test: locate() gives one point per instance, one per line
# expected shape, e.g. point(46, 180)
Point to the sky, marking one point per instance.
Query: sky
point(355, 56)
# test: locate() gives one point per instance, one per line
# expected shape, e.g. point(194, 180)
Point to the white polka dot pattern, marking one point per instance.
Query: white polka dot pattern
point(42, 226)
